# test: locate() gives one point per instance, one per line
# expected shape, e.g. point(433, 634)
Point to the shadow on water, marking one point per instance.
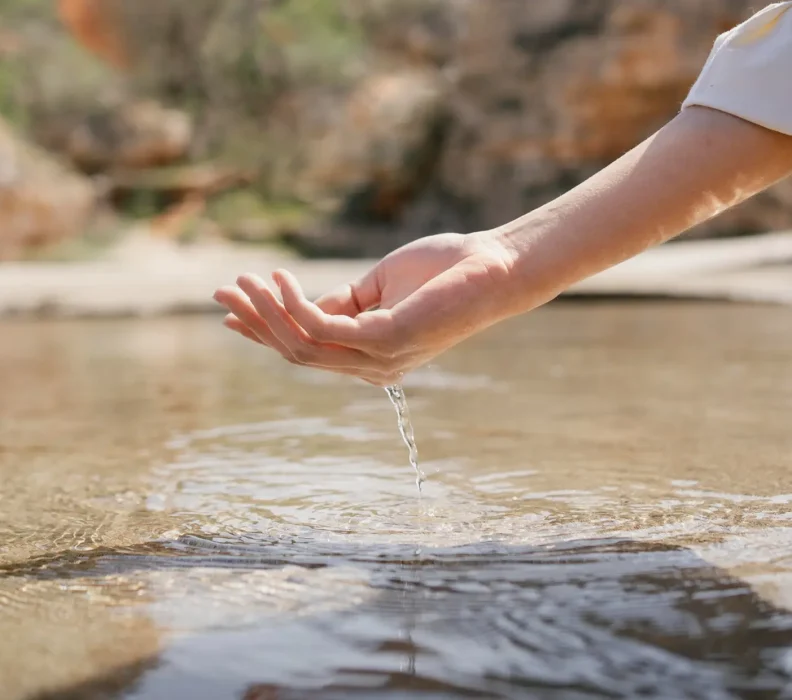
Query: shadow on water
point(578, 619)
point(112, 684)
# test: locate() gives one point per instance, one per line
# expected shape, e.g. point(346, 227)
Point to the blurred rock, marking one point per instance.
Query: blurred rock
point(419, 32)
point(383, 148)
point(129, 135)
point(532, 98)
point(41, 201)
point(400, 118)
point(548, 93)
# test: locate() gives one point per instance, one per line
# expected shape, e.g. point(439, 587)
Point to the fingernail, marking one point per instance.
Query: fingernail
point(250, 278)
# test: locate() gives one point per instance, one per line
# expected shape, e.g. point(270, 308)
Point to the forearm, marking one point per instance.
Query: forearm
point(700, 164)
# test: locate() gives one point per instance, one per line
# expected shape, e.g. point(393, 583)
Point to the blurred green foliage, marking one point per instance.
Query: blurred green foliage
point(219, 60)
point(243, 69)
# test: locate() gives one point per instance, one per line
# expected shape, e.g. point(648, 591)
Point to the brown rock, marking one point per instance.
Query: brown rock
point(126, 136)
point(382, 149)
point(420, 32)
point(548, 93)
point(533, 97)
point(471, 112)
point(41, 201)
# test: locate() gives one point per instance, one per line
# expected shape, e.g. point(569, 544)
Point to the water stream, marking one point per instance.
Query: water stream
point(399, 400)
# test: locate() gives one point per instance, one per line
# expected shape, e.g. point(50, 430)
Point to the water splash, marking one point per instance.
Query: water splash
point(399, 401)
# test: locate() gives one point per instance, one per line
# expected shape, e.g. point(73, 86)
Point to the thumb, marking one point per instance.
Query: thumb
point(353, 298)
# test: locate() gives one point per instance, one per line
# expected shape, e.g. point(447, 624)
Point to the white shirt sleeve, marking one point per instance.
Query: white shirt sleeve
point(749, 72)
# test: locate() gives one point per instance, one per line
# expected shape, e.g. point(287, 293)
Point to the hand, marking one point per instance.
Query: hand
point(415, 303)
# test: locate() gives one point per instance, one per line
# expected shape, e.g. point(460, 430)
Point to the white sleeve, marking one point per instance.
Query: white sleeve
point(749, 72)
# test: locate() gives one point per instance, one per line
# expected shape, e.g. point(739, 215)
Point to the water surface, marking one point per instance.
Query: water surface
point(606, 515)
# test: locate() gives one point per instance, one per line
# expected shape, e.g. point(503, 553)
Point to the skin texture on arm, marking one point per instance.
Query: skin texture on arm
point(700, 164)
point(433, 293)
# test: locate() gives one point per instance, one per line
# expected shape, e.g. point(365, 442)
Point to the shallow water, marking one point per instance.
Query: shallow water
point(606, 515)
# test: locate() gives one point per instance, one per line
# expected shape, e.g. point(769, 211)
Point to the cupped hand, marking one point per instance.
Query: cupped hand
point(414, 304)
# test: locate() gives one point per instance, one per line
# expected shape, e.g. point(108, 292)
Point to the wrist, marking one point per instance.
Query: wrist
point(535, 266)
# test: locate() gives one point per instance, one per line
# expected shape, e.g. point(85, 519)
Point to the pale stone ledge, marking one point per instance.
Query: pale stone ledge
point(146, 276)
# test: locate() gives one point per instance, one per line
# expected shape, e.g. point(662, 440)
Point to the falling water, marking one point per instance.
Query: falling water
point(399, 401)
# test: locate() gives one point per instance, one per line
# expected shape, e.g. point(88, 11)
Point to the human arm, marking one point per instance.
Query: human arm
point(700, 164)
point(437, 291)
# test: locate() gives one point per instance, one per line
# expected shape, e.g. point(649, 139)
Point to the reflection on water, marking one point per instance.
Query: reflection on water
point(608, 514)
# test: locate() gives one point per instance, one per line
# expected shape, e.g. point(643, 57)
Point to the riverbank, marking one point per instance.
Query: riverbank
point(146, 276)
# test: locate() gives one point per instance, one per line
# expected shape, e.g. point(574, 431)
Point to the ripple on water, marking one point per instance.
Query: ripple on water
point(545, 586)
point(605, 617)
point(611, 518)
point(266, 481)
point(492, 585)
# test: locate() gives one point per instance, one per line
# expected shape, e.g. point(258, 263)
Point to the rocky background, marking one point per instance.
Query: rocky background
point(340, 127)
